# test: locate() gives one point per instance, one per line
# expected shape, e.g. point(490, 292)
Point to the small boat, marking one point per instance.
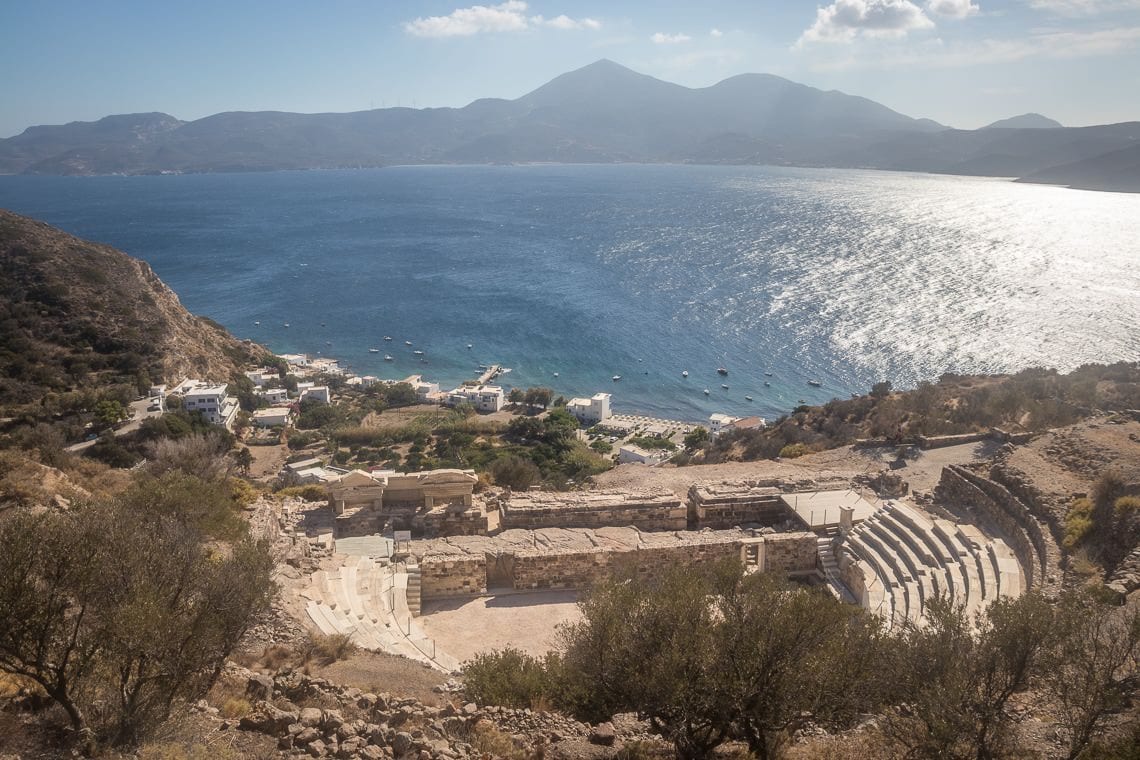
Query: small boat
point(258, 322)
point(767, 374)
point(328, 342)
point(407, 343)
point(373, 350)
point(767, 384)
point(286, 324)
point(616, 378)
point(747, 398)
point(706, 391)
point(684, 373)
point(387, 337)
point(556, 374)
point(387, 358)
point(722, 385)
point(814, 383)
point(417, 352)
point(469, 346)
point(322, 324)
point(721, 371)
point(802, 401)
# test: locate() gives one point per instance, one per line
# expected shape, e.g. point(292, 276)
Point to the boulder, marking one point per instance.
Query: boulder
point(267, 719)
point(259, 686)
point(401, 743)
point(310, 717)
point(603, 735)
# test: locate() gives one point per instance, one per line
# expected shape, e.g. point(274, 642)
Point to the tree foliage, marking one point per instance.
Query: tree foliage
point(117, 612)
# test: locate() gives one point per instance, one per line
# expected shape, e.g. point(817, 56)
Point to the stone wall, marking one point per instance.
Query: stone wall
point(453, 520)
point(790, 553)
point(1035, 548)
point(725, 505)
point(522, 568)
point(645, 510)
point(451, 575)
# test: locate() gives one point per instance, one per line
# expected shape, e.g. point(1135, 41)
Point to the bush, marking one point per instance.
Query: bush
point(329, 649)
point(515, 472)
point(651, 442)
point(509, 678)
point(794, 451)
point(1078, 522)
point(309, 492)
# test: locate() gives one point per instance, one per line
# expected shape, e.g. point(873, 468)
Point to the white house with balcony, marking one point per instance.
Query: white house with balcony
point(275, 395)
point(485, 398)
point(591, 411)
point(718, 423)
point(317, 392)
point(210, 400)
point(629, 453)
point(278, 417)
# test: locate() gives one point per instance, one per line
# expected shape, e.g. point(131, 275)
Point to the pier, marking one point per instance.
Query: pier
point(489, 374)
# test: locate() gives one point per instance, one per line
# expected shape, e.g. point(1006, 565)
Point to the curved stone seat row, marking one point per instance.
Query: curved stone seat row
point(899, 558)
point(368, 600)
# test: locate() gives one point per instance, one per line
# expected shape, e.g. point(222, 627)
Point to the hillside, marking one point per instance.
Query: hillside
point(1026, 121)
point(1118, 171)
point(79, 316)
point(601, 113)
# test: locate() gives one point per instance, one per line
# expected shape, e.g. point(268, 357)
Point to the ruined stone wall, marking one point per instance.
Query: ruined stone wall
point(642, 516)
point(940, 441)
point(450, 521)
point(790, 553)
point(1035, 548)
point(727, 508)
point(450, 575)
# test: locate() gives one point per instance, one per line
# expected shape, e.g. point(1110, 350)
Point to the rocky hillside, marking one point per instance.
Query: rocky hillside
point(76, 315)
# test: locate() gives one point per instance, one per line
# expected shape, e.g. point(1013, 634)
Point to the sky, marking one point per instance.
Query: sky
point(963, 63)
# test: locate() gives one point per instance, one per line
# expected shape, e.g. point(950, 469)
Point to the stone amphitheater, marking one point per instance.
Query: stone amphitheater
point(970, 539)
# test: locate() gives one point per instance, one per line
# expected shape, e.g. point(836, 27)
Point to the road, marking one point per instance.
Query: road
point(139, 412)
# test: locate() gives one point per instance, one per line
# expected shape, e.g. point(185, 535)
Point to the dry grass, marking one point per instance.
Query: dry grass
point(326, 650)
point(867, 744)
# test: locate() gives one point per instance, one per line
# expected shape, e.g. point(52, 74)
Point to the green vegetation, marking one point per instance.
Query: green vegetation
point(653, 443)
point(1078, 522)
point(718, 655)
point(116, 611)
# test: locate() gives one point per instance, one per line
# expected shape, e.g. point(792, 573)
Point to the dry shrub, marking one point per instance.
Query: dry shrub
point(10, 685)
point(235, 707)
point(277, 656)
point(489, 741)
point(328, 649)
point(866, 744)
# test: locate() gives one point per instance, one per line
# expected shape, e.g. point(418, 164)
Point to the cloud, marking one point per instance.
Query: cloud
point(567, 23)
point(509, 16)
point(1041, 43)
point(843, 20)
point(952, 8)
point(1075, 8)
point(660, 38)
point(716, 33)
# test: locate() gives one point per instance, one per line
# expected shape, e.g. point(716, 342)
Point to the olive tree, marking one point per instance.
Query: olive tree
point(116, 612)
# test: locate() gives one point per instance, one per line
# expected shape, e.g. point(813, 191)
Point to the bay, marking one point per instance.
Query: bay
point(780, 275)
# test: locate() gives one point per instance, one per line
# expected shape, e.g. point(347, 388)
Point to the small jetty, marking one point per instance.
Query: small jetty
point(489, 373)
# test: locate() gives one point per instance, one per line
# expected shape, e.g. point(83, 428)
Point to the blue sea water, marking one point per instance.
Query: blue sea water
point(846, 277)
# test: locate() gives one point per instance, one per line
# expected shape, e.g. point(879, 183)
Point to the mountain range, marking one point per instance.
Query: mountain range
point(601, 113)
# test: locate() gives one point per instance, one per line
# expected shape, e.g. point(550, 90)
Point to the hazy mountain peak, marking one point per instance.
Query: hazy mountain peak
point(1025, 121)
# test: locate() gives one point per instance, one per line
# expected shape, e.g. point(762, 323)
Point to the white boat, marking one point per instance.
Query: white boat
point(767, 374)
point(469, 345)
point(814, 383)
point(286, 324)
point(258, 322)
point(556, 374)
point(721, 371)
point(417, 352)
point(373, 350)
point(387, 337)
point(407, 343)
point(722, 385)
point(706, 391)
point(387, 358)
point(684, 373)
point(747, 398)
point(767, 384)
point(616, 378)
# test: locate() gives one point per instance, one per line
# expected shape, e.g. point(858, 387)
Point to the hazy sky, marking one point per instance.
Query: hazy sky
point(961, 62)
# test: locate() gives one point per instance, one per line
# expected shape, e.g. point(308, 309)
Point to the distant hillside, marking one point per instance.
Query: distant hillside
point(600, 113)
point(1118, 170)
point(76, 315)
point(1026, 121)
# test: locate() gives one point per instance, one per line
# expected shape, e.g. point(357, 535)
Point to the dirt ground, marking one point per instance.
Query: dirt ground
point(391, 418)
point(377, 672)
point(267, 460)
point(527, 621)
point(922, 472)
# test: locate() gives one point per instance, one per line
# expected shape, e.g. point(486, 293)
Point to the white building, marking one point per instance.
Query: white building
point(591, 411)
point(278, 417)
point(211, 401)
point(303, 387)
point(157, 392)
point(718, 423)
point(319, 392)
point(485, 398)
point(260, 377)
point(368, 381)
point(426, 391)
point(629, 453)
point(296, 360)
point(275, 395)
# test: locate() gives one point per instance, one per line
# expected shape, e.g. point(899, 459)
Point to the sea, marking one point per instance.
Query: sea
point(576, 275)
